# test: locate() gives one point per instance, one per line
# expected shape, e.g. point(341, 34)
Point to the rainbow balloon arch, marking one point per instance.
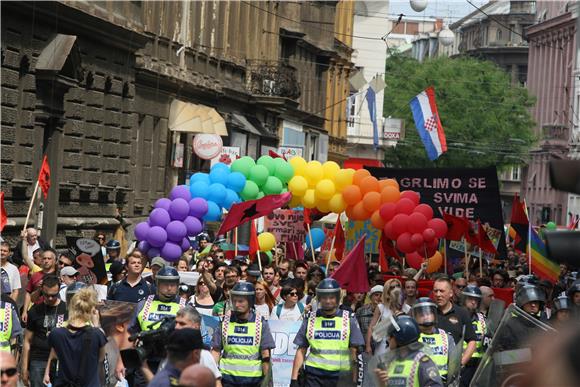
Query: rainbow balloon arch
point(327, 187)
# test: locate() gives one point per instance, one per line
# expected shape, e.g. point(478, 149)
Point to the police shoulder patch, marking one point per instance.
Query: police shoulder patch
point(425, 359)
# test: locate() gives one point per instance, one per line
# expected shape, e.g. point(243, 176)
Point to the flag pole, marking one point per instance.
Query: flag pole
point(480, 263)
point(529, 247)
point(258, 251)
point(328, 258)
point(32, 199)
point(311, 243)
point(235, 242)
point(295, 250)
point(466, 270)
point(445, 254)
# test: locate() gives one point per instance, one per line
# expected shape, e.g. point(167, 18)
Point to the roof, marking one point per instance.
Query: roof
point(491, 8)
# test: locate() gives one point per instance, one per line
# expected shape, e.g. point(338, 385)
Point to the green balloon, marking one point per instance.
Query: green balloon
point(268, 162)
point(273, 186)
point(551, 226)
point(250, 191)
point(259, 174)
point(243, 165)
point(284, 190)
point(260, 195)
point(284, 171)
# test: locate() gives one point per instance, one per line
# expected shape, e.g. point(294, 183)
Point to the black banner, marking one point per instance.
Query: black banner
point(469, 192)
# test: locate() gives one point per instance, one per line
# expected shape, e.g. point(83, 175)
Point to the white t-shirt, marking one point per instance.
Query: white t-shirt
point(31, 248)
point(13, 276)
point(293, 314)
point(263, 310)
point(207, 360)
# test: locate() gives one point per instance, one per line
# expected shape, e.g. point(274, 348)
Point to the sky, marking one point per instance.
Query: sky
point(449, 10)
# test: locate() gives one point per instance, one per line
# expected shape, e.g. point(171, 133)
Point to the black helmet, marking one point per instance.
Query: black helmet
point(113, 244)
point(562, 303)
point(422, 309)
point(254, 270)
point(328, 286)
point(244, 289)
point(73, 289)
point(404, 329)
point(530, 293)
point(471, 291)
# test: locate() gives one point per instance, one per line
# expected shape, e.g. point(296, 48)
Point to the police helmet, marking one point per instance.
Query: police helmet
point(73, 289)
point(202, 237)
point(425, 312)
point(530, 293)
point(404, 329)
point(562, 303)
point(244, 289)
point(575, 288)
point(113, 244)
point(328, 286)
point(471, 291)
point(167, 274)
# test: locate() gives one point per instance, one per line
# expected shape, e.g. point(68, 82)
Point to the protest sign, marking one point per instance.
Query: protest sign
point(282, 357)
point(285, 225)
point(88, 260)
point(227, 156)
point(208, 326)
point(290, 152)
point(355, 231)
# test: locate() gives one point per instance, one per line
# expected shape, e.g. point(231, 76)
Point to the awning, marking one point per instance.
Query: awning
point(243, 123)
point(360, 163)
point(192, 118)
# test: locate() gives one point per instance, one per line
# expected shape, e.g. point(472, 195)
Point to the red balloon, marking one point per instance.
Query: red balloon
point(424, 209)
point(417, 240)
point(388, 231)
point(404, 243)
point(417, 222)
point(430, 251)
point(428, 234)
point(388, 211)
point(405, 206)
point(400, 222)
point(414, 260)
point(439, 226)
point(434, 244)
point(412, 196)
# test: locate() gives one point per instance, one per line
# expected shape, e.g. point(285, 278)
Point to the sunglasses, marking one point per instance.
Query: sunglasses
point(219, 256)
point(49, 295)
point(394, 286)
point(293, 294)
point(460, 286)
point(101, 238)
point(63, 263)
point(9, 372)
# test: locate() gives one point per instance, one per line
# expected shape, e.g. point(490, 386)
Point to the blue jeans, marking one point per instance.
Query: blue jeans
point(36, 373)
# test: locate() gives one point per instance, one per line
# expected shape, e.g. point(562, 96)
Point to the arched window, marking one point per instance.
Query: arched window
point(498, 35)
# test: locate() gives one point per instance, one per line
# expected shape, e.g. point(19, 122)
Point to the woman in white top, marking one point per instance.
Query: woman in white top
point(202, 298)
point(392, 305)
point(264, 299)
point(291, 309)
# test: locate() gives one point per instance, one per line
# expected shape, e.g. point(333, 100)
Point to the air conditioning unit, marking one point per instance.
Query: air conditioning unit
point(268, 86)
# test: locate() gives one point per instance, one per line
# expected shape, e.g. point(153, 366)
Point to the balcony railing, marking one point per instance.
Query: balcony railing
point(272, 78)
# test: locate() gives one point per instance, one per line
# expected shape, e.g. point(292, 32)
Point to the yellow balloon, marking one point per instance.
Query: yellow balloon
point(323, 206)
point(314, 172)
point(309, 199)
point(299, 165)
point(337, 204)
point(297, 185)
point(343, 178)
point(266, 241)
point(330, 168)
point(325, 189)
point(296, 201)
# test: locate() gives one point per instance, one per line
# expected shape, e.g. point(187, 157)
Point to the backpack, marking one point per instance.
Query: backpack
point(281, 305)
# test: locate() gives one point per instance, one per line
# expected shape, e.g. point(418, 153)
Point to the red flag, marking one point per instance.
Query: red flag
point(44, 177)
point(307, 219)
point(386, 246)
point(352, 272)
point(241, 213)
point(254, 245)
point(520, 223)
point(457, 226)
point(483, 239)
point(276, 155)
point(339, 241)
point(3, 216)
point(574, 220)
point(471, 236)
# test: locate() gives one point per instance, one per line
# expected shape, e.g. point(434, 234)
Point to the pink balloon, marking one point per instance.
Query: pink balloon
point(404, 243)
point(417, 222)
point(388, 231)
point(414, 260)
point(405, 206)
point(424, 209)
point(439, 226)
point(412, 196)
point(388, 211)
point(417, 240)
point(399, 223)
point(428, 234)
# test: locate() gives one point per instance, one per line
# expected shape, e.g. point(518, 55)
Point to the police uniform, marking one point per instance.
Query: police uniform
point(9, 325)
point(240, 343)
point(414, 369)
point(329, 340)
point(152, 309)
point(480, 327)
point(441, 344)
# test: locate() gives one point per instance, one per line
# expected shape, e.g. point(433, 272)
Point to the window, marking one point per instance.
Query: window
point(352, 110)
point(498, 35)
point(515, 173)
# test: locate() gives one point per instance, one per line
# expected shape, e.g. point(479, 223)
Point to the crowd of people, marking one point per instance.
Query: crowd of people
point(58, 330)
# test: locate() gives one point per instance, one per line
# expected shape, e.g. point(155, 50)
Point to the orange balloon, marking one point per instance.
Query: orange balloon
point(434, 263)
point(372, 201)
point(359, 175)
point(369, 184)
point(388, 183)
point(377, 221)
point(349, 213)
point(351, 195)
point(390, 194)
point(359, 212)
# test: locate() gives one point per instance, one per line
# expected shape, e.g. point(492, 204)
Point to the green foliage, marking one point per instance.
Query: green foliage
point(486, 119)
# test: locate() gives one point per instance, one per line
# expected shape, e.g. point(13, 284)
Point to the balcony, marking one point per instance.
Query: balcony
point(272, 79)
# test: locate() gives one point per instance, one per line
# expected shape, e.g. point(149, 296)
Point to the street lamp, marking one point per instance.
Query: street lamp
point(446, 36)
point(418, 5)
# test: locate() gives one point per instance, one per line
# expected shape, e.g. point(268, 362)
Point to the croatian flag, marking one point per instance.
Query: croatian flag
point(428, 123)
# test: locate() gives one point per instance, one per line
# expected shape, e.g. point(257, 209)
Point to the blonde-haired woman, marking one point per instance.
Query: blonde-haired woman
point(392, 305)
point(79, 346)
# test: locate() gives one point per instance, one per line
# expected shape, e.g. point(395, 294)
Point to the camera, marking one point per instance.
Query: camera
point(150, 344)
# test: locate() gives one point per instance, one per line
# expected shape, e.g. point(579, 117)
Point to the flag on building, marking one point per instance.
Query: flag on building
point(3, 215)
point(339, 241)
point(519, 223)
point(372, 104)
point(352, 272)
point(457, 227)
point(428, 123)
point(542, 266)
point(44, 177)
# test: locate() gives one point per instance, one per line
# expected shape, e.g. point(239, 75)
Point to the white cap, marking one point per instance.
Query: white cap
point(69, 271)
point(376, 289)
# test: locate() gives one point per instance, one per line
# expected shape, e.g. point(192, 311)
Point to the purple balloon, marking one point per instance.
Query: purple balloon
point(163, 203)
point(181, 191)
point(171, 251)
point(197, 207)
point(144, 246)
point(193, 225)
point(157, 236)
point(176, 231)
point(159, 217)
point(179, 209)
point(185, 244)
point(153, 252)
point(141, 231)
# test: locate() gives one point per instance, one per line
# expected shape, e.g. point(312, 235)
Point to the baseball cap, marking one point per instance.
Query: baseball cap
point(69, 271)
point(376, 289)
point(158, 261)
point(184, 340)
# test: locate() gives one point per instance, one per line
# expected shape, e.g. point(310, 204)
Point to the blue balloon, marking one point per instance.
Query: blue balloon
point(220, 166)
point(236, 181)
point(219, 176)
point(199, 176)
point(217, 193)
point(214, 212)
point(199, 189)
point(317, 238)
point(231, 198)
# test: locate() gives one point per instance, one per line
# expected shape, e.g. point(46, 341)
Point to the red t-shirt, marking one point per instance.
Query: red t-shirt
point(34, 283)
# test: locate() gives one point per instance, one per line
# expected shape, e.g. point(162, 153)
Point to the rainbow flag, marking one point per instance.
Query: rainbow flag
point(541, 265)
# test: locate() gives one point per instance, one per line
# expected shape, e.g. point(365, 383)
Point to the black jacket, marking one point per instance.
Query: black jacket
point(17, 258)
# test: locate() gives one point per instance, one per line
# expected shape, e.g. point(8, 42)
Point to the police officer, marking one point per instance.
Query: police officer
point(410, 365)
point(440, 342)
point(242, 346)
point(561, 311)
point(471, 297)
point(333, 336)
point(10, 326)
point(574, 294)
point(113, 248)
